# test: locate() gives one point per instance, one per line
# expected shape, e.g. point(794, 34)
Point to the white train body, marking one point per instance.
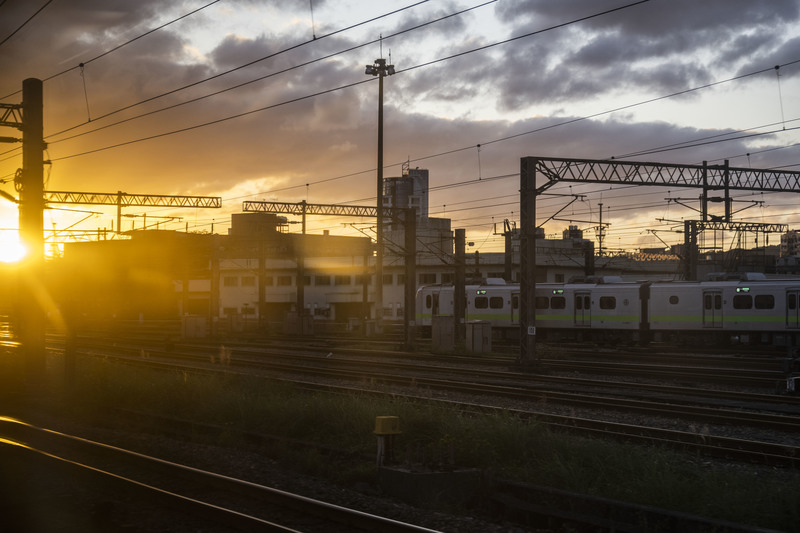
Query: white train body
point(608, 309)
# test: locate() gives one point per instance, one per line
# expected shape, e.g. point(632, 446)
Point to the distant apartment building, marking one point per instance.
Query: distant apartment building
point(790, 244)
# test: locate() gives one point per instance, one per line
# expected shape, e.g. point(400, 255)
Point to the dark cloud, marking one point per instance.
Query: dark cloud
point(289, 146)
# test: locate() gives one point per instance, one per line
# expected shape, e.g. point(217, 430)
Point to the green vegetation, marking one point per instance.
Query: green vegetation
point(500, 444)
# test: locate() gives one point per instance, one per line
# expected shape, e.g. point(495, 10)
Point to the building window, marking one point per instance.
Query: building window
point(284, 281)
point(559, 278)
point(248, 281)
point(342, 280)
point(361, 279)
point(269, 281)
point(401, 279)
point(499, 275)
point(322, 280)
point(427, 278)
point(228, 311)
point(230, 281)
point(387, 279)
point(447, 277)
point(306, 281)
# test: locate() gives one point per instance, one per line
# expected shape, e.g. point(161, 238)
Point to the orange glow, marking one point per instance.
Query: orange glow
point(11, 249)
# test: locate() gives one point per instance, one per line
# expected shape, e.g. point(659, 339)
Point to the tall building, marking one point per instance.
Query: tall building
point(790, 244)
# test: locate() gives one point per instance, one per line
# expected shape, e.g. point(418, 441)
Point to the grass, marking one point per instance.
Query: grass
point(501, 444)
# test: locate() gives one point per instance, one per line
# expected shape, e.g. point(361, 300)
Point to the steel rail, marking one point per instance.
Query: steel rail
point(100, 459)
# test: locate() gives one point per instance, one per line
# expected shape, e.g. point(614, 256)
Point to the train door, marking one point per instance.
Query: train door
point(793, 308)
point(712, 309)
point(435, 310)
point(583, 308)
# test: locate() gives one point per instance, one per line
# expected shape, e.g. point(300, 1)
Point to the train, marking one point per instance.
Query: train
point(746, 308)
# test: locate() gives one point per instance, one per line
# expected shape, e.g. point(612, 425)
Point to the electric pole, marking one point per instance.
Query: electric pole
point(379, 69)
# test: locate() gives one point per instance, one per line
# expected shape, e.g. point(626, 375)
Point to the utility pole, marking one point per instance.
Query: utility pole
point(31, 225)
point(379, 69)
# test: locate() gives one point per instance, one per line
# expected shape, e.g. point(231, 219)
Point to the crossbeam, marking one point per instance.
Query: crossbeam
point(759, 227)
point(301, 208)
point(126, 200)
point(666, 174)
point(11, 115)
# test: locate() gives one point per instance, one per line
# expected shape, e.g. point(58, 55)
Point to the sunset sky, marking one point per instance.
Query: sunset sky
point(268, 100)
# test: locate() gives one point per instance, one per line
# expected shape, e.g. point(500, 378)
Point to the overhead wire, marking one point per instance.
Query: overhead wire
point(260, 78)
point(345, 86)
point(472, 146)
point(13, 33)
point(249, 64)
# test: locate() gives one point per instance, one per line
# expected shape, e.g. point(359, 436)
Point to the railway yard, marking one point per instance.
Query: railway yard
point(149, 420)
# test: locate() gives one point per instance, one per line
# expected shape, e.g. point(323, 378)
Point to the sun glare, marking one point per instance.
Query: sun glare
point(11, 251)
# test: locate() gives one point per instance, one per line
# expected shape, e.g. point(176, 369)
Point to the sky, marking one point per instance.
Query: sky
point(256, 100)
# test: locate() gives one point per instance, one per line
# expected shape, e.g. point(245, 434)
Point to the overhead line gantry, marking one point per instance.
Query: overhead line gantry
point(707, 177)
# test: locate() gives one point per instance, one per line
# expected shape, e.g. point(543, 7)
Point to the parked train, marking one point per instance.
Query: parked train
point(744, 308)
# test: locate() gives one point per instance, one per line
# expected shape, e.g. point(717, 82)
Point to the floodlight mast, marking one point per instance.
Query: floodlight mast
point(379, 69)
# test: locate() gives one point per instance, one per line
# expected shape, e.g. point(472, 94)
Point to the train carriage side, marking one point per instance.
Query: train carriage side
point(725, 311)
point(605, 312)
point(761, 312)
point(497, 304)
point(675, 311)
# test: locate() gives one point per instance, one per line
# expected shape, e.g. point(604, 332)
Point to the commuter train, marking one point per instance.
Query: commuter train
point(741, 308)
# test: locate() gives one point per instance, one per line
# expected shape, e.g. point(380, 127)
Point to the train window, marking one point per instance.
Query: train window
point(481, 302)
point(542, 302)
point(578, 302)
point(742, 301)
point(707, 301)
point(587, 302)
point(791, 301)
point(428, 301)
point(515, 302)
point(608, 302)
point(558, 302)
point(673, 300)
point(496, 302)
point(765, 301)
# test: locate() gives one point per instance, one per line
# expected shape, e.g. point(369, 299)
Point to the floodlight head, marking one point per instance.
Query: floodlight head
point(371, 70)
point(390, 70)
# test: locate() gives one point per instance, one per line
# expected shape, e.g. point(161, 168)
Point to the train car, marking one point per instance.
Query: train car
point(603, 309)
point(741, 308)
point(747, 310)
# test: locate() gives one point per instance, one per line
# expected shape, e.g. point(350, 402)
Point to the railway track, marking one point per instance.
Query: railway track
point(233, 504)
point(528, 392)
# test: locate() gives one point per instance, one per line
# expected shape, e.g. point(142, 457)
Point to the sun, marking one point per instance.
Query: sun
point(11, 250)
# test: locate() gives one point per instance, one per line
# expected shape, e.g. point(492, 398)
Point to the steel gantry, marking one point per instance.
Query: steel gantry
point(122, 199)
point(706, 177)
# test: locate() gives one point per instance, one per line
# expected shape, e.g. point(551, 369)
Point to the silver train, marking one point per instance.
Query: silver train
point(742, 308)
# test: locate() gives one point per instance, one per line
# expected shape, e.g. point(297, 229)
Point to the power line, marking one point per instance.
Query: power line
point(239, 115)
point(251, 63)
point(25, 23)
point(107, 52)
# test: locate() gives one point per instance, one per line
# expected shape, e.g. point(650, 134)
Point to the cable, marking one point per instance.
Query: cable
point(341, 87)
point(249, 64)
point(261, 78)
point(107, 52)
point(24, 23)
